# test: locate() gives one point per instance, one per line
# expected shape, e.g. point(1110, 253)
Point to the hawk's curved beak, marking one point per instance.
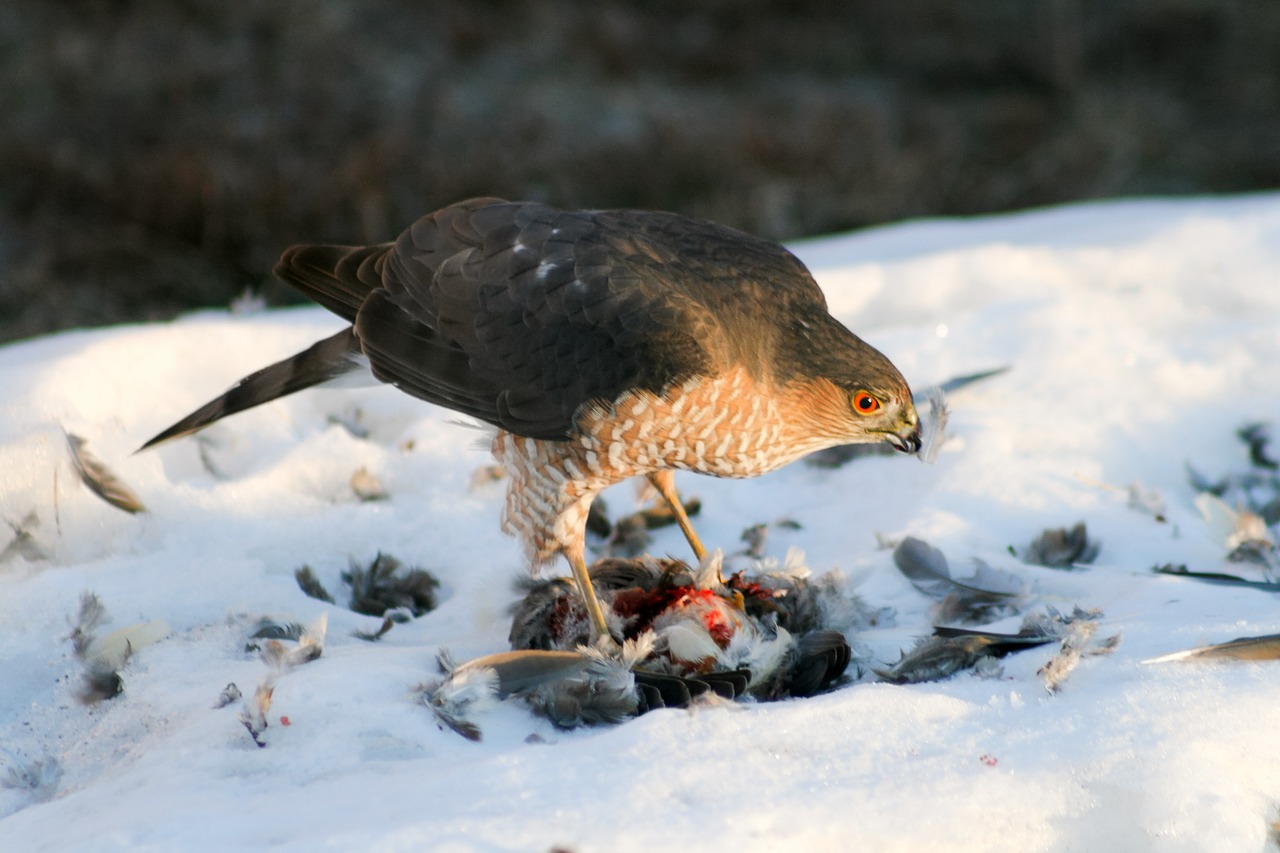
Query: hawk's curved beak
point(907, 442)
point(907, 436)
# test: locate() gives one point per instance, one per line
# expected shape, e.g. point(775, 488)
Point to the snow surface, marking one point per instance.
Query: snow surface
point(1141, 335)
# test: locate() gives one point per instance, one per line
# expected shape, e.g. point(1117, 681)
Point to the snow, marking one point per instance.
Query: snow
point(1140, 335)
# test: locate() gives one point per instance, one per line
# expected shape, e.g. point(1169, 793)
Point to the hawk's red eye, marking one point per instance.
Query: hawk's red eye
point(865, 404)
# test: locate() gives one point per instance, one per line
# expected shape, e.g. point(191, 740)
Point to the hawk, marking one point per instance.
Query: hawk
point(601, 345)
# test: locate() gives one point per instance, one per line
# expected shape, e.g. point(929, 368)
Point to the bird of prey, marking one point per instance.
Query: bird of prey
point(601, 344)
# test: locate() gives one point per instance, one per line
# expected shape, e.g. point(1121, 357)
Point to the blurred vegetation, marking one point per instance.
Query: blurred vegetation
point(158, 154)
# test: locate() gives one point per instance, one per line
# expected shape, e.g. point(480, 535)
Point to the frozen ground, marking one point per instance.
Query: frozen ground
point(1140, 334)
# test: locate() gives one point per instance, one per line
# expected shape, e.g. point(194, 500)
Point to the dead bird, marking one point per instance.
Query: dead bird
point(690, 634)
point(702, 624)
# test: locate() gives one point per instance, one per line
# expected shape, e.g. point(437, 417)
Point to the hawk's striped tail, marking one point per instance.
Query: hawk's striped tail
point(322, 362)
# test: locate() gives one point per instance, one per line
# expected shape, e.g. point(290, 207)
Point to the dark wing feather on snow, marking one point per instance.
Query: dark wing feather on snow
point(936, 658)
point(1218, 578)
point(988, 592)
point(997, 644)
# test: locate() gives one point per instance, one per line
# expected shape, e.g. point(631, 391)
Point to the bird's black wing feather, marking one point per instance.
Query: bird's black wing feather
point(338, 277)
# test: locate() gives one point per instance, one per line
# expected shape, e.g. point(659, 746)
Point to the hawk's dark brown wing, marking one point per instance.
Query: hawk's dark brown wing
point(518, 313)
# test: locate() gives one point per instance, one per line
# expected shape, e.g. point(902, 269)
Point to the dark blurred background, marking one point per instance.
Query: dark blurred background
point(157, 155)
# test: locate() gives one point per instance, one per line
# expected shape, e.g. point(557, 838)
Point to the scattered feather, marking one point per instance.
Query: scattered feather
point(933, 426)
point(24, 544)
point(1244, 534)
point(1257, 437)
point(100, 479)
point(99, 683)
point(206, 447)
point(988, 594)
point(1233, 528)
point(39, 777)
point(1138, 496)
point(951, 649)
point(253, 714)
point(1255, 490)
point(248, 302)
point(660, 514)
point(464, 691)
point(1146, 500)
point(269, 629)
point(1060, 548)
point(1200, 483)
point(280, 660)
point(755, 536)
point(629, 537)
point(111, 651)
point(310, 584)
point(999, 644)
point(310, 646)
point(103, 659)
point(1076, 643)
point(598, 523)
point(1219, 578)
point(90, 616)
point(367, 487)
point(372, 636)
point(936, 658)
point(385, 585)
point(229, 694)
point(1264, 648)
